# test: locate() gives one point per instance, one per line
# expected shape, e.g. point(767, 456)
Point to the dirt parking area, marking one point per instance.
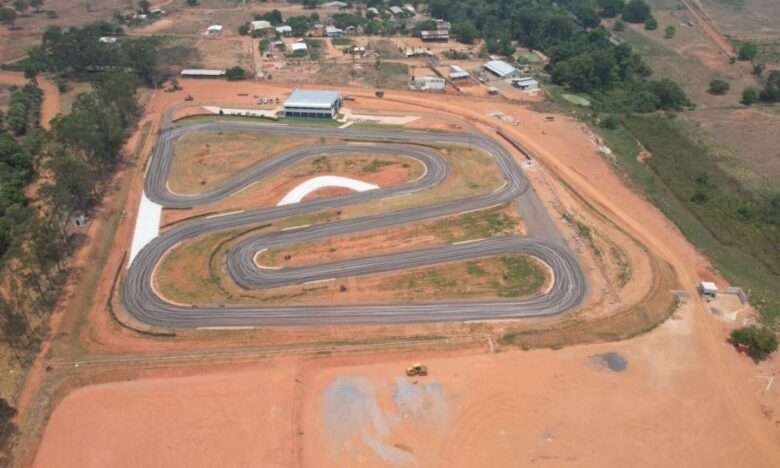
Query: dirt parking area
point(590, 406)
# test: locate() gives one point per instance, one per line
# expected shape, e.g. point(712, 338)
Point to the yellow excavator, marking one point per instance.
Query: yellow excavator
point(417, 370)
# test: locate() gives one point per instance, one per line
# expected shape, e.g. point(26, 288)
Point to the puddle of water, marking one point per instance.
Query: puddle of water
point(612, 361)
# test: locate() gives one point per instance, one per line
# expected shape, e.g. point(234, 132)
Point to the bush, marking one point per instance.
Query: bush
point(719, 87)
point(760, 341)
point(611, 122)
point(749, 96)
point(748, 51)
point(651, 24)
point(235, 74)
point(669, 32)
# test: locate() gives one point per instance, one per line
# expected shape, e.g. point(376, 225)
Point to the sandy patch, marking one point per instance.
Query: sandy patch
point(312, 185)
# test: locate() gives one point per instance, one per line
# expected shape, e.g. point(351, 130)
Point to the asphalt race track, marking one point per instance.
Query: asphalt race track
point(544, 241)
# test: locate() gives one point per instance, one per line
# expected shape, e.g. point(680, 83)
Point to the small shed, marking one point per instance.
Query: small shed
point(501, 69)
point(214, 29)
point(202, 73)
point(299, 48)
point(708, 289)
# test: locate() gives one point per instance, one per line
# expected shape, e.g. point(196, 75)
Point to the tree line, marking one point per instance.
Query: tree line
point(70, 165)
point(583, 55)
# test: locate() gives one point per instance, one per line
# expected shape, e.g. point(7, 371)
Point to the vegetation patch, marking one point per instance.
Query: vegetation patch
point(739, 230)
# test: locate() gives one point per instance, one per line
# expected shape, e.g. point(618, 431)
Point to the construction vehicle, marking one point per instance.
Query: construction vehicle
point(417, 370)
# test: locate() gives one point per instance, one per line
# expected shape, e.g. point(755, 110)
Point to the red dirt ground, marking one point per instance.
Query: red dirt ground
point(686, 399)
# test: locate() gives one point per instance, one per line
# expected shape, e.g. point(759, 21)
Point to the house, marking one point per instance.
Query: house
point(284, 30)
point(458, 73)
point(428, 83)
point(332, 31)
point(372, 11)
point(409, 9)
point(418, 52)
point(435, 35)
point(339, 5)
point(202, 73)
point(442, 25)
point(309, 103)
point(299, 49)
point(396, 11)
point(214, 30)
point(108, 40)
point(260, 26)
point(501, 69)
point(525, 83)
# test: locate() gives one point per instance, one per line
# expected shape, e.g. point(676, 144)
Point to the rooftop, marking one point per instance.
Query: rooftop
point(500, 68)
point(312, 99)
point(202, 72)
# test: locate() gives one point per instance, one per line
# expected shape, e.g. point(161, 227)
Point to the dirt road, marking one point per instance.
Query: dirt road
point(706, 24)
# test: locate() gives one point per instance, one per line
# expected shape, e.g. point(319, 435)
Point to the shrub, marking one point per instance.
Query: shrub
point(760, 341)
point(719, 87)
point(749, 96)
point(651, 24)
point(748, 51)
point(235, 74)
point(669, 32)
point(611, 122)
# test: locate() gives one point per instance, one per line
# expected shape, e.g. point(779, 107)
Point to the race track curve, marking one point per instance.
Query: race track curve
point(544, 242)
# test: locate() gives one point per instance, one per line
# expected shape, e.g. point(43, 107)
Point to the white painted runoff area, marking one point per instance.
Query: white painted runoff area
point(147, 225)
point(299, 193)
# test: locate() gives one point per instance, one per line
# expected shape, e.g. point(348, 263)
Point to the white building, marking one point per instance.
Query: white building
point(458, 73)
point(428, 83)
point(372, 11)
point(708, 288)
point(108, 39)
point(202, 73)
point(284, 30)
point(339, 5)
point(418, 52)
point(397, 11)
point(525, 83)
point(410, 9)
point(214, 29)
point(299, 48)
point(333, 31)
point(306, 103)
point(260, 25)
point(501, 69)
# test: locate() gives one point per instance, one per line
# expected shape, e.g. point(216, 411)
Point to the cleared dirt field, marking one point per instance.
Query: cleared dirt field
point(515, 408)
point(745, 19)
point(204, 160)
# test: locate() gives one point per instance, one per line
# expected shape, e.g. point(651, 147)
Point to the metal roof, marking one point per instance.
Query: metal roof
point(312, 99)
point(202, 72)
point(296, 46)
point(500, 68)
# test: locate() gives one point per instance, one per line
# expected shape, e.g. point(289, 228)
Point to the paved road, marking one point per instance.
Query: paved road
point(146, 305)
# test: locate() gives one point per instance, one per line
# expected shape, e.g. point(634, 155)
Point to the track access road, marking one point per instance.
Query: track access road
point(142, 301)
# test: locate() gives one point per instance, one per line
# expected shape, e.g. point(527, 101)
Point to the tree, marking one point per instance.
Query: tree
point(749, 96)
point(651, 24)
point(145, 5)
point(669, 32)
point(760, 341)
point(747, 51)
point(235, 73)
point(465, 32)
point(636, 11)
point(758, 69)
point(719, 87)
point(21, 5)
point(610, 8)
point(192, 2)
point(36, 4)
point(7, 16)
